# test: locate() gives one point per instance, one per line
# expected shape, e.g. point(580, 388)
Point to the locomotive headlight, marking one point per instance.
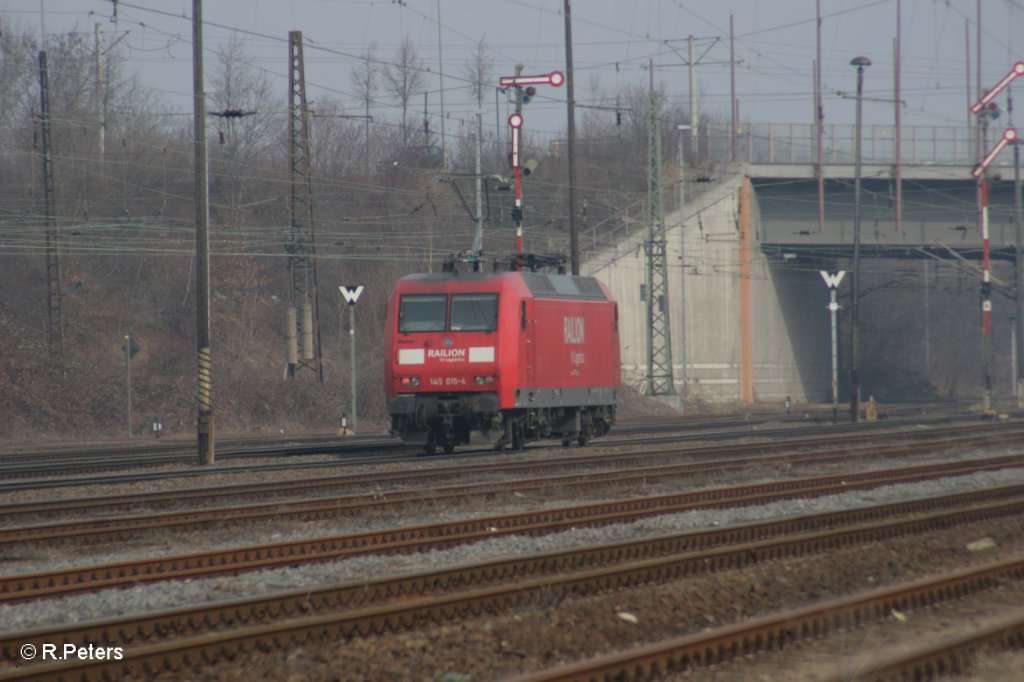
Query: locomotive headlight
point(409, 381)
point(484, 381)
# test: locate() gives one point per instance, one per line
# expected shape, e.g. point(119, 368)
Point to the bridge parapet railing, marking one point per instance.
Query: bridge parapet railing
point(796, 143)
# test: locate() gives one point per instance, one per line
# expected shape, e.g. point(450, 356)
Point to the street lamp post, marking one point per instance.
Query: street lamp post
point(861, 63)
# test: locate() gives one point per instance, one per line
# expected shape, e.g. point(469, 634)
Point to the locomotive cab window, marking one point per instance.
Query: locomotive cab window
point(474, 312)
point(422, 313)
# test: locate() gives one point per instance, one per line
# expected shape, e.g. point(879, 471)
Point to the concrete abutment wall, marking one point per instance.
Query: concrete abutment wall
point(748, 328)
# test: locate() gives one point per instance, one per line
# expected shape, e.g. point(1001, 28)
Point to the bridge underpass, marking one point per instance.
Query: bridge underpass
point(748, 308)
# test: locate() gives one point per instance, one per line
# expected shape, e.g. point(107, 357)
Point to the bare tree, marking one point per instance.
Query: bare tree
point(364, 77)
point(18, 75)
point(248, 118)
point(333, 136)
point(479, 71)
point(404, 77)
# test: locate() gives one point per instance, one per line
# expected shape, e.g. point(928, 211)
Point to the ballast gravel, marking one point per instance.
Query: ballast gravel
point(170, 594)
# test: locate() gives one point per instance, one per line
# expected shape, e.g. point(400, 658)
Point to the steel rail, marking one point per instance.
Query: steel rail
point(779, 630)
point(116, 460)
point(15, 473)
point(435, 536)
point(231, 446)
point(946, 657)
point(206, 640)
point(15, 453)
point(717, 548)
point(106, 528)
point(12, 511)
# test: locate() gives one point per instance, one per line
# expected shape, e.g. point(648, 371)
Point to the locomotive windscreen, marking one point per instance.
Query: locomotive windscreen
point(422, 312)
point(429, 313)
point(474, 312)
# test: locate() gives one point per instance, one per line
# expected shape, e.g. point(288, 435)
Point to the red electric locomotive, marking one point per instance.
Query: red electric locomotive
point(506, 357)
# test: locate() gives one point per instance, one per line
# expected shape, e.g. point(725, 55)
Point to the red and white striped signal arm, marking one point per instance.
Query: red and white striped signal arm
point(555, 78)
point(1017, 70)
point(1009, 137)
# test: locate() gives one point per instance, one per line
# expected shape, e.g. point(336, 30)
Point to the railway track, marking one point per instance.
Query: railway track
point(980, 434)
point(115, 458)
point(441, 535)
point(174, 640)
point(385, 482)
point(107, 528)
point(321, 615)
point(788, 627)
point(43, 463)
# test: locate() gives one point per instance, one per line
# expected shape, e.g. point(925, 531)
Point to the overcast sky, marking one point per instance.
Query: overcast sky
point(775, 43)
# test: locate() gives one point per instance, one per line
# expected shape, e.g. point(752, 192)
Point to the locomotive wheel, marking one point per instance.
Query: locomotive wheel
point(518, 436)
point(449, 447)
point(431, 445)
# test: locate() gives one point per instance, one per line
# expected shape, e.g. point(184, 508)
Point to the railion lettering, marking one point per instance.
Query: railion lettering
point(573, 330)
point(443, 353)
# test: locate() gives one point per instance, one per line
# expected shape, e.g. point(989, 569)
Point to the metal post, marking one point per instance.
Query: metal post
point(352, 358)
point(368, 118)
point(1013, 353)
point(128, 376)
point(927, 326)
point(497, 118)
point(478, 229)
point(897, 124)
point(1018, 346)
point(204, 420)
point(101, 107)
point(861, 63)
point(967, 71)
point(834, 308)
point(832, 281)
point(440, 73)
point(682, 259)
point(55, 318)
point(574, 237)
point(518, 172)
point(694, 116)
point(819, 124)
point(732, 90)
point(986, 302)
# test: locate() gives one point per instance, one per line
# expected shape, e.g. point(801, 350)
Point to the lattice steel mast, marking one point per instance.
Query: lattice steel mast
point(54, 316)
point(659, 336)
point(301, 244)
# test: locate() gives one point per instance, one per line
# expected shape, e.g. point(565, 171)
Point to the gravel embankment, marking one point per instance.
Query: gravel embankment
point(177, 593)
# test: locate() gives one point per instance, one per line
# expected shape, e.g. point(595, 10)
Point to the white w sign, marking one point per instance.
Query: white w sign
point(351, 294)
point(832, 280)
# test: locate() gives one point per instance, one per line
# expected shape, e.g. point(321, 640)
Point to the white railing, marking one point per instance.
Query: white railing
point(779, 143)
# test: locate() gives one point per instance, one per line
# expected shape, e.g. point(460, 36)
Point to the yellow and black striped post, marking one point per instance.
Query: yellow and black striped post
point(204, 421)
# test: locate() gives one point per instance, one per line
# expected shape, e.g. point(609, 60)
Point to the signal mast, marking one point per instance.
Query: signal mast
point(525, 90)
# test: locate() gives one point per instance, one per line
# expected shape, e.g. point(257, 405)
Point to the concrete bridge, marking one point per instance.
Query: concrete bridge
point(747, 306)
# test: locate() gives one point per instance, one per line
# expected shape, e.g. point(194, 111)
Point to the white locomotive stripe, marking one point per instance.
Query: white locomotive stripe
point(481, 354)
point(411, 356)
